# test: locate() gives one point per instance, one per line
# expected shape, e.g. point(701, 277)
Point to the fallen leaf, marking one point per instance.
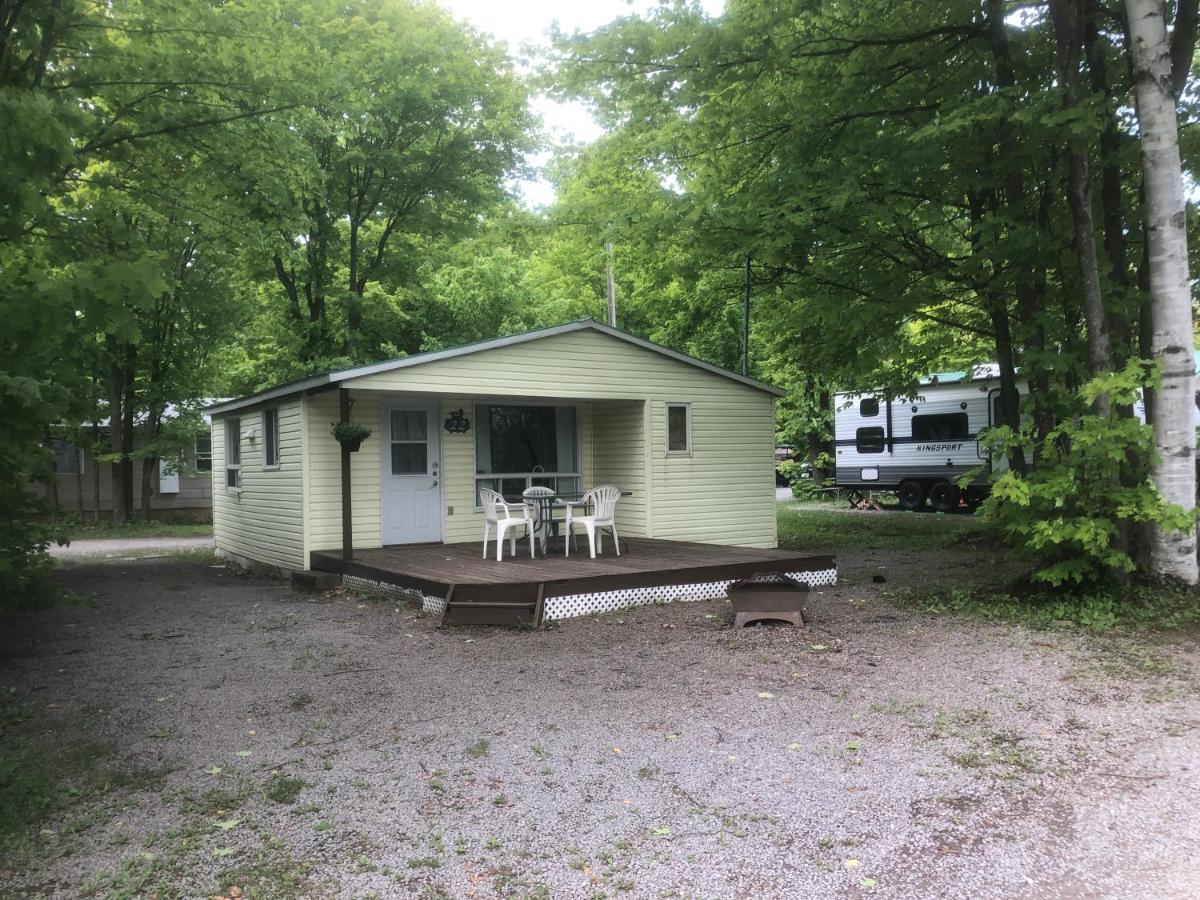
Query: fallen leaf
point(851, 864)
point(672, 737)
point(214, 770)
point(223, 851)
point(867, 882)
point(661, 832)
point(227, 824)
point(852, 745)
point(618, 751)
point(765, 695)
point(795, 745)
point(818, 647)
point(243, 753)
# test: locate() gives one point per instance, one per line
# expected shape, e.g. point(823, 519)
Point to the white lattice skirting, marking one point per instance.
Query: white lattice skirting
point(432, 605)
point(609, 601)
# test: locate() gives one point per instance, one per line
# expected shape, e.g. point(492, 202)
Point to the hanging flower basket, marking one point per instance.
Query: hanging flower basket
point(350, 434)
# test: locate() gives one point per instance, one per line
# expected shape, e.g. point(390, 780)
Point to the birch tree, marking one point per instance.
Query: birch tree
point(1159, 76)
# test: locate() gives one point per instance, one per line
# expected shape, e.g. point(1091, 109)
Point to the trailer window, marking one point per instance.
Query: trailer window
point(868, 406)
point(869, 440)
point(947, 427)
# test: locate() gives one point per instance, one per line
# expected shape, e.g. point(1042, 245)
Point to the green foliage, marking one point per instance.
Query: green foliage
point(1075, 511)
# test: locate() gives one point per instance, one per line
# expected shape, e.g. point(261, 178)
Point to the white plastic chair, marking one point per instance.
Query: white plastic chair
point(504, 516)
point(603, 501)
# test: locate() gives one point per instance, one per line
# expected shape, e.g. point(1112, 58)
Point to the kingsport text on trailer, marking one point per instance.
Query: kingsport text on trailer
point(920, 446)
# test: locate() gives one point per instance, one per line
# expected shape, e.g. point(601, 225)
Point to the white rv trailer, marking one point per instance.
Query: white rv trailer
point(920, 446)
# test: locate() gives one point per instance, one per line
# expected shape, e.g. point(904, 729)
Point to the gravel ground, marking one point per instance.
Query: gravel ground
point(117, 548)
point(652, 753)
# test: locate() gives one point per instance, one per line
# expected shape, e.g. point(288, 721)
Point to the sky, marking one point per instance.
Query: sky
point(526, 23)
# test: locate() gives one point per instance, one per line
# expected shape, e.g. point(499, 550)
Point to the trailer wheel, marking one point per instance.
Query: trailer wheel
point(943, 496)
point(912, 495)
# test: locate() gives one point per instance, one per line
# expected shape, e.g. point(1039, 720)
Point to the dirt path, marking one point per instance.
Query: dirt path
point(242, 734)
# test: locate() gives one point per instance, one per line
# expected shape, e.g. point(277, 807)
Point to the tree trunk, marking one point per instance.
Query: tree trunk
point(116, 395)
point(128, 407)
point(1079, 199)
point(1173, 554)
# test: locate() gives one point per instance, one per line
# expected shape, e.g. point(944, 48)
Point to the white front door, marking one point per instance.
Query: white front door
point(412, 495)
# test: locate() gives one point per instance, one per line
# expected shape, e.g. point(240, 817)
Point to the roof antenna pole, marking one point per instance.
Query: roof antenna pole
point(612, 287)
point(746, 319)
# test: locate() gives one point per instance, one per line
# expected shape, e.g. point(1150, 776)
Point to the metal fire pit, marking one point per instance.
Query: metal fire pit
point(765, 597)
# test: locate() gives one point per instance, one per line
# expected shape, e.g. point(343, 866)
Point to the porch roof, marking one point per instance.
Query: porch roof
point(329, 379)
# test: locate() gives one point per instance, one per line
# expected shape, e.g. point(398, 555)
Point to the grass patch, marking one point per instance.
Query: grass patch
point(479, 749)
point(282, 788)
point(1138, 607)
point(90, 531)
point(809, 528)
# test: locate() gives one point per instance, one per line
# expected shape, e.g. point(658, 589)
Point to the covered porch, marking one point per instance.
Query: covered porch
point(454, 583)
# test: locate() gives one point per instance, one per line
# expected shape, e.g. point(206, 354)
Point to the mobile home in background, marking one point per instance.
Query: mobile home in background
point(921, 446)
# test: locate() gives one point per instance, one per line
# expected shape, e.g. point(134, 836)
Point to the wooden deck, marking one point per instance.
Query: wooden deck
point(518, 588)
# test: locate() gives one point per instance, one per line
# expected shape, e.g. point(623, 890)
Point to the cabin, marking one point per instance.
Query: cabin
point(690, 445)
point(81, 481)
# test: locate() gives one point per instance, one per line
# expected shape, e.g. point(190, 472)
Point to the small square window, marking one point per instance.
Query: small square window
point(68, 459)
point(679, 428)
point(270, 438)
point(868, 407)
point(869, 440)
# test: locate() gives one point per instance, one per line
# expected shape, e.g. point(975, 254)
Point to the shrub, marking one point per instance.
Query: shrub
point(1073, 511)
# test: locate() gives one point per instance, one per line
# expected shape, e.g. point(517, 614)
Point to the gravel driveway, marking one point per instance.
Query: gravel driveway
point(248, 740)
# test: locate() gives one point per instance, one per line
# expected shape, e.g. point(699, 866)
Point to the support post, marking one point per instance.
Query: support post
point(612, 285)
point(746, 319)
point(347, 517)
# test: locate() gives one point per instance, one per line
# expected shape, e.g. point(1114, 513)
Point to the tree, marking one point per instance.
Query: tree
point(1160, 72)
point(406, 125)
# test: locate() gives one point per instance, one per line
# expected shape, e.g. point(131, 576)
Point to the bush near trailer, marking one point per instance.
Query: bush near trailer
point(1076, 513)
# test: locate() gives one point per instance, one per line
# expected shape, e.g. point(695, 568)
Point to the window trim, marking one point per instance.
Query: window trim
point(528, 476)
point(197, 457)
point(687, 407)
point(271, 439)
point(233, 426)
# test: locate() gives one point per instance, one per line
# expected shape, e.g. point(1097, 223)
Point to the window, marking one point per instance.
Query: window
point(410, 441)
point(68, 459)
point(517, 447)
point(869, 440)
point(868, 407)
point(270, 438)
point(233, 453)
point(204, 452)
point(679, 428)
point(945, 427)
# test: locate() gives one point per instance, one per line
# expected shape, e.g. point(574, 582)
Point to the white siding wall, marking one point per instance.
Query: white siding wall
point(619, 448)
point(325, 473)
point(264, 520)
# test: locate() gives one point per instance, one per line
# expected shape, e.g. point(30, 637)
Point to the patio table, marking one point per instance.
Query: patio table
point(546, 523)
